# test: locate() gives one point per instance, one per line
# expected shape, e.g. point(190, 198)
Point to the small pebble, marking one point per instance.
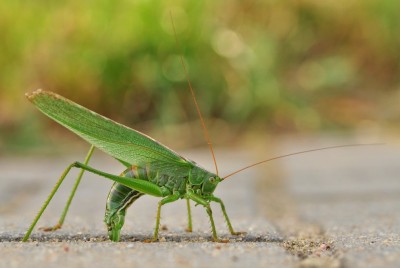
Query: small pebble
point(323, 246)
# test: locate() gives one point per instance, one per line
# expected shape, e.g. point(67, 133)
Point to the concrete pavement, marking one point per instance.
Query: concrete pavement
point(336, 208)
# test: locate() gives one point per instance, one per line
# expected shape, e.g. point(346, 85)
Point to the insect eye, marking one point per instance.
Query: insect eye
point(211, 179)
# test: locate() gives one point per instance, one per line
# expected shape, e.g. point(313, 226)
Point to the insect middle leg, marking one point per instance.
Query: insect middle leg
point(189, 228)
point(169, 199)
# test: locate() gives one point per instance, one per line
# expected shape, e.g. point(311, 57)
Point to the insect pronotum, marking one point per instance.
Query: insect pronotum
point(151, 168)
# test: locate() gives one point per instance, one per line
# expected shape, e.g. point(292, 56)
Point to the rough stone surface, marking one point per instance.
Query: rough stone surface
point(337, 208)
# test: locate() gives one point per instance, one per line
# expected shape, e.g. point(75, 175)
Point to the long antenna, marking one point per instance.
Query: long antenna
point(207, 137)
point(302, 152)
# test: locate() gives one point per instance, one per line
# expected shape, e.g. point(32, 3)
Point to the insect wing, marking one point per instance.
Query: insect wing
point(115, 139)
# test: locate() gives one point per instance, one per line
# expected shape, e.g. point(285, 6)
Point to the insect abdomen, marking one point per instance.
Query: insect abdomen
point(119, 199)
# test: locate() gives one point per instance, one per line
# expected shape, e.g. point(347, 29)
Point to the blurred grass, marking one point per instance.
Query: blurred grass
point(273, 66)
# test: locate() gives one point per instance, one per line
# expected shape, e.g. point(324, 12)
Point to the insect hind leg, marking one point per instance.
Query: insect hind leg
point(51, 195)
point(71, 196)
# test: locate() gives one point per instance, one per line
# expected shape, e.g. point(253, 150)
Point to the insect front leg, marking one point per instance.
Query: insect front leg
point(199, 200)
point(228, 222)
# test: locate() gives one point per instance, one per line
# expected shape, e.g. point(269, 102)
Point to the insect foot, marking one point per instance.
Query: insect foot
point(51, 229)
point(151, 240)
point(238, 233)
point(217, 240)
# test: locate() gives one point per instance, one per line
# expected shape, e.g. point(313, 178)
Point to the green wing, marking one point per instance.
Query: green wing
point(115, 139)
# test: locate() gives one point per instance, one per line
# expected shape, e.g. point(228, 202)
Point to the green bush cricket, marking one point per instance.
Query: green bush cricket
point(151, 168)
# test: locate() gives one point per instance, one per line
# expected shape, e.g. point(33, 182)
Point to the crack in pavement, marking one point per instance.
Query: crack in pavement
point(90, 237)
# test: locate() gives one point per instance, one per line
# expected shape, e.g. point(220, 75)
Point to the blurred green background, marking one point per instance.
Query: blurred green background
point(261, 67)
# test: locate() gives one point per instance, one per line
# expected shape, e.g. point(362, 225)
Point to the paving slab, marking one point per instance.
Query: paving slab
point(82, 241)
point(354, 196)
point(328, 209)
